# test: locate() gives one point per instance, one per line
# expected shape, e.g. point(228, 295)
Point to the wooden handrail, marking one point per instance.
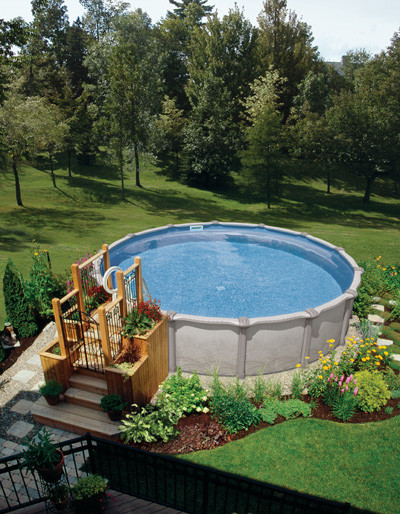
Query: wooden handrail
point(112, 304)
point(100, 253)
point(72, 293)
point(133, 267)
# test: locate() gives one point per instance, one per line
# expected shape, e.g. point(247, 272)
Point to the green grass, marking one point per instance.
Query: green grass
point(85, 211)
point(355, 463)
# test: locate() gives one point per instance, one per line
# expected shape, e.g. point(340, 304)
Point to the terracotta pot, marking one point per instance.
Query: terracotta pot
point(53, 400)
point(52, 475)
point(114, 415)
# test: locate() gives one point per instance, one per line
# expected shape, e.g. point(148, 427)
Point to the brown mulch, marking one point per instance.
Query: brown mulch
point(201, 432)
point(12, 354)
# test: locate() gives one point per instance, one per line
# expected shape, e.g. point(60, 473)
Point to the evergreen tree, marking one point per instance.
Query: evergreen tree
point(17, 308)
point(181, 8)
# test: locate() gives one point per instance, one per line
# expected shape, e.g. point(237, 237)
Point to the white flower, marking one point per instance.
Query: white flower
point(192, 394)
point(193, 406)
point(198, 409)
point(204, 398)
point(205, 410)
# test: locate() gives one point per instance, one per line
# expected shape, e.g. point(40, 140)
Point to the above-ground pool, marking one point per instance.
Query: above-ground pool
point(246, 298)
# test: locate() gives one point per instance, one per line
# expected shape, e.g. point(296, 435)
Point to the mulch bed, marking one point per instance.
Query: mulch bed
point(201, 432)
point(12, 354)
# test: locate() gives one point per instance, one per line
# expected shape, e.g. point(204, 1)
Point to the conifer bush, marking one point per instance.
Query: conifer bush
point(19, 312)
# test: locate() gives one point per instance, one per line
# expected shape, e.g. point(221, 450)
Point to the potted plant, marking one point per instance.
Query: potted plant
point(41, 455)
point(51, 390)
point(89, 493)
point(58, 494)
point(113, 405)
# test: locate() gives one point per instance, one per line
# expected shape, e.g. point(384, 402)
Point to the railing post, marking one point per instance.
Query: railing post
point(57, 318)
point(105, 335)
point(76, 277)
point(106, 260)
point(122, 293)
point(139, 284)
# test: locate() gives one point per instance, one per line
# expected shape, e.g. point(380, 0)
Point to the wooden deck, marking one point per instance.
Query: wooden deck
point(118, 503)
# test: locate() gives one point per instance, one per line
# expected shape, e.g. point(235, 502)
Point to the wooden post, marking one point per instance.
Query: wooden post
point(106, 260)
point(76, 277)
point(122, 293)
point(105, 335)
point(139, 284)
point(57, 318)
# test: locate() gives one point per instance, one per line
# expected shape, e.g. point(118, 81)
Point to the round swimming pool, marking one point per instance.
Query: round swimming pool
point(246, 298)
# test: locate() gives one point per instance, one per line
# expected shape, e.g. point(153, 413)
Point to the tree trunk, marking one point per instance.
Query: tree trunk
point(121, 167)
point(368, 188)
point(328, 181)
point(137, 165)
point(53, 178)
point(17, 186)
point(69, 163)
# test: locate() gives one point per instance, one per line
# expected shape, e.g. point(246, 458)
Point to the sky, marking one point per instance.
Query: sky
point(337, 26)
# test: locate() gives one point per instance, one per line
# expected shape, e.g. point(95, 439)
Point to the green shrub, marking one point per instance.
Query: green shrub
point(43, 285)
point(150, 424)
point(297, 385)
point(373, 392)
point(389, 410)
point(396, 393)
point(260, 388)
point(19, 312)
point(232, 407)
point(289, 409)
point(392, 380)
point(362, 303)
point(112, 402)
point(186, 393)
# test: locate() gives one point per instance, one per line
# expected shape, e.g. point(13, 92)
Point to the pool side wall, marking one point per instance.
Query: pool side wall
point(247, 346)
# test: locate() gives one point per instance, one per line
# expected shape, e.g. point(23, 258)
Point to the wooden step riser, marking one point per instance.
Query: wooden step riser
point(73, 428)
point(98, 389)
point(83, 403)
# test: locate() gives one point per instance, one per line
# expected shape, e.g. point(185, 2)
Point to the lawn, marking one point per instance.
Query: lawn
point(355, 463)
point(85, 211)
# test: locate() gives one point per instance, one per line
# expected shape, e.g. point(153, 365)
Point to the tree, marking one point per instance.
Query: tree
point(28, 125)
point(99, 15)
point(126, 89)
point(226, 49)
point(211, 134)
point(353, 63)
point(181, 8)
point(285, 42)
point(169, 130)
point(264, 133)
point(363, 136)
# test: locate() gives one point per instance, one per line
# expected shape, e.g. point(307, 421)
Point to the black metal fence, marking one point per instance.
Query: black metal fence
point(169, 481)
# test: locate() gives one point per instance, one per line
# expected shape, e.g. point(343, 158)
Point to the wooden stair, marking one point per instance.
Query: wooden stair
point(80, 411)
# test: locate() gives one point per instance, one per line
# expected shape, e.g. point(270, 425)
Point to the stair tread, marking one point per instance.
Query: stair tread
point(81, 381)
point(72, 414)
point(81, 394)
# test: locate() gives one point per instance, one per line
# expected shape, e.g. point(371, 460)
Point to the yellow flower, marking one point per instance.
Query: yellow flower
point(385, 353)
point(298, 365)
point(344, 353)
point(362, 346)
point(323, 362)
point(363, 359)
point(326, 368)
point(320, 376)
point(368, 351)
point(351, 360)
point(336, 364)
point(330, 341)
point(36, 253)
point(374, 350)
point(367, 358)
point(330, 345)
point(380, 357)
point(306, 357)
point(378, 363)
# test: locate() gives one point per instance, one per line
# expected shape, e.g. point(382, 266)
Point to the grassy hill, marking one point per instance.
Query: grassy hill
point(85, 211)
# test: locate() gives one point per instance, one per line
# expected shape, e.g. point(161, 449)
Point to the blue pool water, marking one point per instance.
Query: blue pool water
point(232, 272)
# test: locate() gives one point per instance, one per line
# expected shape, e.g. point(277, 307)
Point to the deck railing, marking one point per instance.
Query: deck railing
point(165, 480)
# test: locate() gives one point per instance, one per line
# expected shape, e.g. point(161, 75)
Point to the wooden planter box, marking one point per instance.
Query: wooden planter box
point(56, 367)
point(148, 372)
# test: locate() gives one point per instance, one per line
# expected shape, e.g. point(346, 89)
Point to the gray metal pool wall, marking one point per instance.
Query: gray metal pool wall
point(247, 346)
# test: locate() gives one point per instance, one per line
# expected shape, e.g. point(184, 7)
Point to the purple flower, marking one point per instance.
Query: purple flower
point(342, 378)
point(340, 384)
point(351, 377)
point(336, 379)
point(341, 391)
point(346, 388)
point(348, 380)
point(355, 381)
point(355, 391)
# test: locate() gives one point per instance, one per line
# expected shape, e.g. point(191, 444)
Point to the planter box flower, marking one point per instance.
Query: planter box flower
point(141, 382)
